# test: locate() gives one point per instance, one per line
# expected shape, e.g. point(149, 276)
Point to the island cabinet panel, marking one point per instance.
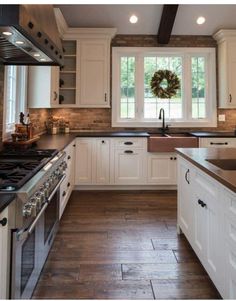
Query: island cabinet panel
point(103, 161)
point(201, 217)
point(185, 198)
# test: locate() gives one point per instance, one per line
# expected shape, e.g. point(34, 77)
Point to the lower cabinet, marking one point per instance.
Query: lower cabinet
point(161, 168)
point(128, 166)
point(68, 183)
point(202, 217)
point(122, 161)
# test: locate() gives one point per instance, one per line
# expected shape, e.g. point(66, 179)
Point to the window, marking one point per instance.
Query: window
point(15, 96)
point(133, 103)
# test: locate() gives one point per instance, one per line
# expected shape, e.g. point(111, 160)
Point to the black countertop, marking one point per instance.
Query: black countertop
point(213, 134)
point(199, 157)
point(5, 200)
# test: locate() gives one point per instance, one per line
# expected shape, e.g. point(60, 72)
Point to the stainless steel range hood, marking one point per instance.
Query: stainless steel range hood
point(29, 36)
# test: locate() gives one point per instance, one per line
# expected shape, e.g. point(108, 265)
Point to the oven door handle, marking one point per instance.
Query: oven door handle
point(23, 234)
point(55, 189)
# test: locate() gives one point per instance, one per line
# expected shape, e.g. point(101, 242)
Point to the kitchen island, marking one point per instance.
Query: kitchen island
point(207, 211)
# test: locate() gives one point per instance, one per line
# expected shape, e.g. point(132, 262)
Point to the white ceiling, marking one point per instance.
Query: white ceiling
point(217, 16)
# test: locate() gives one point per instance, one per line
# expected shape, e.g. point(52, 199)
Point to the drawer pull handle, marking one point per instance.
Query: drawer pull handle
point(68, 184)
point(64, 193)
point(55, 95)
point(186, 176)
point(3, 222)
point(105, 97)
point(128, 152)
point(201, 203)
point(230, 97)
point(69, 157)
point(219, 143)
point(128, 143)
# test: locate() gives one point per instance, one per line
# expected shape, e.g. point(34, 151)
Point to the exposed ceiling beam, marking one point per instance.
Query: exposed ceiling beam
point(166, 23)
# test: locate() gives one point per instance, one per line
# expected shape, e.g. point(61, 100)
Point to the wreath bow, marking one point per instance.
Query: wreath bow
point(173, 84)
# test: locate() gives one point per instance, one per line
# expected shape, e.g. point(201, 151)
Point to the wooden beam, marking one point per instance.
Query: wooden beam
point(166, 23)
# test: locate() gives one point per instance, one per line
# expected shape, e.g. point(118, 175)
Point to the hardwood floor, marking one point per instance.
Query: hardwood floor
point(122, 245)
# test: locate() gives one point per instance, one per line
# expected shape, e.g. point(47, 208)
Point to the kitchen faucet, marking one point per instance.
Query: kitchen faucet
point(162, 116)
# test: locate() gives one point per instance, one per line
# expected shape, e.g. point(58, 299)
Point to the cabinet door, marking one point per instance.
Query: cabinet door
point(185, 198)
point(4, 257)
point(102, 161)
point(231, 100)
point(128, 166)
point(54, 86)
point(162, 169)
point(84, 158)
point(94, 81)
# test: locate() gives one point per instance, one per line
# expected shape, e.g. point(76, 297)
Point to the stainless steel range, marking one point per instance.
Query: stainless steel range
point(36, 215)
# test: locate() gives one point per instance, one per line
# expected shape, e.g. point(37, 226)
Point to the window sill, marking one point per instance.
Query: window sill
point(171, 124)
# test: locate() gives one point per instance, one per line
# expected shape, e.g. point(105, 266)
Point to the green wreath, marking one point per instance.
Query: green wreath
point(172, 84)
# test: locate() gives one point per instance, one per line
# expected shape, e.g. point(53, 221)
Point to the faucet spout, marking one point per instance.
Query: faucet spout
point(162, 116)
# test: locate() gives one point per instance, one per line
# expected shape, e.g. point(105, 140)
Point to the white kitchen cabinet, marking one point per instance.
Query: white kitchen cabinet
point(161, 168)
point(128, 166)
point(43, 86)
point(200, 217)
point(94, 73)
point(84, 161)
point(92, 161)
point(68, 183)
point(217, 142)
point(185, 197)
point(102, 161)
point(226, 40)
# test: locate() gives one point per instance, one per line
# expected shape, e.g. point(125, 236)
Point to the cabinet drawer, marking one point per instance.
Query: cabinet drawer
point(129, 143)
point(217, 142)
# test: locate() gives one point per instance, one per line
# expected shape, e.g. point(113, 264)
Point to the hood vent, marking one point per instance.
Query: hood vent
point(29, 36)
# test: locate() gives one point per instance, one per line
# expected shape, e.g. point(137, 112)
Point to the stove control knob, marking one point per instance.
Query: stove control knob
point(33, 203)
point(47, 186)
point(27, 210)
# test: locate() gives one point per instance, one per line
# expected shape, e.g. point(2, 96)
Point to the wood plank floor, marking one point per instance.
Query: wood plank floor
point(122, 245)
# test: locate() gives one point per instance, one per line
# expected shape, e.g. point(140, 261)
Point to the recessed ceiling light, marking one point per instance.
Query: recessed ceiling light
point(43, 60)
point(19, 42)
point(7, 33)
point(133, 19)
point(201, 20)
point(36, 54)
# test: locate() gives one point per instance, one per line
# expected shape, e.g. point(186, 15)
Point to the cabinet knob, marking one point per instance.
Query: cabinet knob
point(175, 158)
point(201, 203)
point(64, 193)
point(103, 141)
point(3, 222)
point(171, 158)
point(73, 145)
point(55, 95)
point(68, 184)
point(69, 157)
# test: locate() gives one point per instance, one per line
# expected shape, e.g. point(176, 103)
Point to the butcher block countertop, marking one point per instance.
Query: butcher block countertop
point(199, 157)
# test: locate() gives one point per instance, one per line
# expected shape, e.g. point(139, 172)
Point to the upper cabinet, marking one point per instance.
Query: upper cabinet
point(83, 81)
point(94, 73)
point(226, 40)
point(43, 86)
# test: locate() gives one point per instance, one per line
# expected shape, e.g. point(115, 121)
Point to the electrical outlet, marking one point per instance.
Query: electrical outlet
point(221, 117)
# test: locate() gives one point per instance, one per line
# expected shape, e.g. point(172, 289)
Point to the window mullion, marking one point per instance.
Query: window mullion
point(139, 87)
point(187, 88)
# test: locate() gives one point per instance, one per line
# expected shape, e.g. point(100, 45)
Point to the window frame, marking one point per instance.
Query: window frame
point(20, 96)
point(186, 53)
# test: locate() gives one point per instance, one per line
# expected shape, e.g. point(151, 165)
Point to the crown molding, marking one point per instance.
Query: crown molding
point(225, 34)
point(78, 33)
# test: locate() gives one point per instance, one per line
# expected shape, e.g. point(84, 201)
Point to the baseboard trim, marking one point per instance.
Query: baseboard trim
point(125, 187)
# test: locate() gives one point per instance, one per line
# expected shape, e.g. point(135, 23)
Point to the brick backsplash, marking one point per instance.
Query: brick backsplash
point(100, 119)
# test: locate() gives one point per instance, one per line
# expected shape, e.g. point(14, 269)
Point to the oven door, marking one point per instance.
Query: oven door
point(51, 219)
point(27, 258)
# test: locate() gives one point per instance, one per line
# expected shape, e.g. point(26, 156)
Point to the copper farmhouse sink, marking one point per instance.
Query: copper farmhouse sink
point(168, 142)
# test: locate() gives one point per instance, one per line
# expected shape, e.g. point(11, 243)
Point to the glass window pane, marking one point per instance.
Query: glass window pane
point(127, 87)
point(198, 87)
point(172, 107)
